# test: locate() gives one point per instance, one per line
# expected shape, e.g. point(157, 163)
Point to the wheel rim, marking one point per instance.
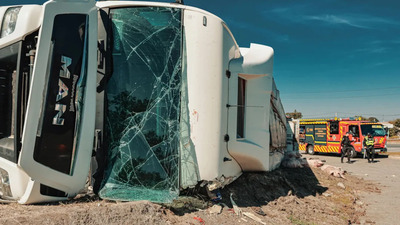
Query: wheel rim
point(310, 150)
point(353, 153)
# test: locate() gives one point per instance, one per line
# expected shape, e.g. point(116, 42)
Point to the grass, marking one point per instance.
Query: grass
point(298, 221)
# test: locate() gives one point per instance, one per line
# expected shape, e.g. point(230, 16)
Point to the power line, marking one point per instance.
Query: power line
point(342, 91)
point(336, 97)
point(326, 114)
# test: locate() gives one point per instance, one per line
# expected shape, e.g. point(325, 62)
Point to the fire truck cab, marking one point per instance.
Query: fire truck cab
point(325, 135)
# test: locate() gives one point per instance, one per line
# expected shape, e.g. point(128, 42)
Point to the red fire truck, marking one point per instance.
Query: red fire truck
point(325, 135)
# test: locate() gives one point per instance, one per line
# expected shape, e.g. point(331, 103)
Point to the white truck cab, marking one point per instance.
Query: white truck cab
point(165, 91)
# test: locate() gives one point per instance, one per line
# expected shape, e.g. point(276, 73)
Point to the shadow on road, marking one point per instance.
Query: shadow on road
point(338, 155)
point(381, 156)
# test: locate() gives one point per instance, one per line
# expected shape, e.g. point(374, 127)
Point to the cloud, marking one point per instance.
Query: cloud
point(373, 50)
point(396, 42)
point(378, 46)
point(277, 10)
point(332, 19)
point(304, 13)
point(353, 20)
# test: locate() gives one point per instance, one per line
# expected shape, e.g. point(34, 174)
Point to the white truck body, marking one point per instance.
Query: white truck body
point(227, 115)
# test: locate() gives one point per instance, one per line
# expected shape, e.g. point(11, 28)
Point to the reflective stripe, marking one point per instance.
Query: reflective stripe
point(369, 141)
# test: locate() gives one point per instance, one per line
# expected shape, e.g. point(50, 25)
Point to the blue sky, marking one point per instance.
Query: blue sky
point(331, 57)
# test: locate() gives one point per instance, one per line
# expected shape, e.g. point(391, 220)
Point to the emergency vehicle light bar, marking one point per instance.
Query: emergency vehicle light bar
point(309, 120)
point(337, 119)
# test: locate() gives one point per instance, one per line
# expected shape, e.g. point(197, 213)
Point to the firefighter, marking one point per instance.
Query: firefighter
point(369, 147)
point(346, 147)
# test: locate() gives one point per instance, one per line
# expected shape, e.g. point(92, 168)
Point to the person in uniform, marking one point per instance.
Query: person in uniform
point(369, 147)
point(346, 147)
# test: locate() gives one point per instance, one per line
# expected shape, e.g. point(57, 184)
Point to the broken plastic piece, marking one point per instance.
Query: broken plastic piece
point(215, 209)
point(259, 211)
point(253, 217)
point(236, 209)
point(217, 198)
point(219, 183)
point(199, 219)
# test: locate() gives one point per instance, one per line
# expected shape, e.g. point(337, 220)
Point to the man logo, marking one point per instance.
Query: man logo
point(62, 90)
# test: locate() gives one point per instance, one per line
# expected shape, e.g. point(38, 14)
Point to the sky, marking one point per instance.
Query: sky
point(332, 57)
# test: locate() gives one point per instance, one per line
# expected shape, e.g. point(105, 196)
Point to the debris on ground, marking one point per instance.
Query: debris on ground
point(294, 160)
point(259, 211)
point(284, 196)
point(254, 217)
point(341, 185)
point(236, 209)
point(315, 162)
point(215, 209)
point(334, 171)
point(326, 194)
point(199, 219)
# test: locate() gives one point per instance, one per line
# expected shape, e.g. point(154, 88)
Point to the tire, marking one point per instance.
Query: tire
point(310, 149)
point(353, 153)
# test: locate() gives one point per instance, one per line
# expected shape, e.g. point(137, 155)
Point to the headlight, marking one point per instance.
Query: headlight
point(5, 190)
point(9, 21)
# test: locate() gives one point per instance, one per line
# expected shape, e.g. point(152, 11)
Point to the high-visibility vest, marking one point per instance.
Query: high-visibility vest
point(369, 141)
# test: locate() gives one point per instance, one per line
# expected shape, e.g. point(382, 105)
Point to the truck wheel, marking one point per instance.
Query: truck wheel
point(353, 153)
point(310, 150)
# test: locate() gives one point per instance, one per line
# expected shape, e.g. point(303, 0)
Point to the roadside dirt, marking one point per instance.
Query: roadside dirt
point(382, 207)
point(283, 196)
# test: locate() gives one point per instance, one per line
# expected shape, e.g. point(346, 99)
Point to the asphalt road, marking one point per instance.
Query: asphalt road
point(384, 207)
point(393, 147)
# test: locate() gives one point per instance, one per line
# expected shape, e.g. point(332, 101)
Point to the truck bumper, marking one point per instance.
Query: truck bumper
point(380, 150)
point(377, 150)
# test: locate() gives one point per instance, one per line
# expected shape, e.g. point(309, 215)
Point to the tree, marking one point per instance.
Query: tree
point(395, 122)
point(360, 117)
point(393, 131)
point(396, 129)
point(373, 119)
point(294, 115)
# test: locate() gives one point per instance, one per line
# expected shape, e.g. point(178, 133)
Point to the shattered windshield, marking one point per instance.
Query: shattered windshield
point(373, 129)
point(143, 97)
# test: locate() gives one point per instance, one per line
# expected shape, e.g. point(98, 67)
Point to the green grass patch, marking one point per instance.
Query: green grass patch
point(299, 221)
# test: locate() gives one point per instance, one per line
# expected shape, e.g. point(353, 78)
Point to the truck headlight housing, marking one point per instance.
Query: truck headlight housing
point(5, 190)
point(9, 21)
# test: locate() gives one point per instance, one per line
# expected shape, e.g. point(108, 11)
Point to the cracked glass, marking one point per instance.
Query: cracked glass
point(143, 105)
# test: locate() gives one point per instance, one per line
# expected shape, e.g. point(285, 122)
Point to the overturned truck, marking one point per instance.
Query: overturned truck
point(167, 94)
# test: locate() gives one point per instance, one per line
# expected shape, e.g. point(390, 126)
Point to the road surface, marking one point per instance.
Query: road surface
point(384, 207)
point(393, 147)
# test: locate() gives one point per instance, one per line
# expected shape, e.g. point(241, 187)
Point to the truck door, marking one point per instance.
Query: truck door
point(58, 135)
point(310, 134)
point(320, 137)
point(333, 136)
point(356, 135)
